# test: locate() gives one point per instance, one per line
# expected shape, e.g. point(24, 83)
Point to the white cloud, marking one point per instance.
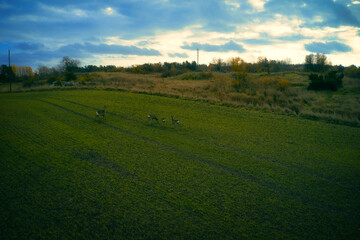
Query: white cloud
point(356, 2)
point(233, 4)
point(64, 11)
point(340, 32)
point(79, 13)
point(281, 26)
point(109, 11)
point(258, 4)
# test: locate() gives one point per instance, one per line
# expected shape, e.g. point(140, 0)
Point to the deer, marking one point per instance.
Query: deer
point(101, 113)
point(176, 122)
point(163, 120)
point(153, 117)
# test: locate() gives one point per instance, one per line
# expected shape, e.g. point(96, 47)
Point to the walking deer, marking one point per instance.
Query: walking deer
point(174, 121)
point(153, 117)
point(101, 113)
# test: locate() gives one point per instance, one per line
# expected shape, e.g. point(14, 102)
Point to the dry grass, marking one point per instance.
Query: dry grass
point(283, 92)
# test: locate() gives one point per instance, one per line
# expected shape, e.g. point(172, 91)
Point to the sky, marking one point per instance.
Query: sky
point(131, 32)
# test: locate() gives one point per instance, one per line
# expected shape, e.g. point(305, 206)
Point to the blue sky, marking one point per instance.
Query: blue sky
point(130, 32)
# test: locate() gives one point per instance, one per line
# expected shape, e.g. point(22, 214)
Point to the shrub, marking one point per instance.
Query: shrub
point(30, 81)
point(240, 84)
point(268, 80)
point(206, 75)
point(197, 76)
point(70, 76)
point(283, 84)
point(54, 77)
point(331, 81)
point(241, 76)
point(352, 72)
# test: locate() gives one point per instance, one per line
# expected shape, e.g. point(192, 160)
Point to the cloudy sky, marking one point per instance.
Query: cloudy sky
point(127, 32)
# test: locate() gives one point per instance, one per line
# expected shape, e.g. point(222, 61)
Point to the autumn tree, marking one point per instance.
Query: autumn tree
point(23, 73)
point(263, 65)
point(238, 65)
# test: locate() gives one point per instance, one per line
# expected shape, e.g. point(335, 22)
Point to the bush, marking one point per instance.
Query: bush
point(197, 76)
point(206, 75)
point(268, 81)
point(352, 72)
point(240, 84)
point(28, 82)
point(171, 73)
point(70, 76)
point(54, 77)
point(331, 81)
point(282, 84)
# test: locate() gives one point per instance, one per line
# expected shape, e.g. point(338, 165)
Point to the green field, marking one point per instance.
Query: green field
point(223, 173)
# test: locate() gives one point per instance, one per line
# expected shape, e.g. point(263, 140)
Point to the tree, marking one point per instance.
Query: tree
point(309, 63)
point(6, 74)
point(43, 72)
point(68, 66)
point(238, 65)
point(321, 62)
point(263, 65)
point(22, 71)
point(316, 63)
point(217, 65)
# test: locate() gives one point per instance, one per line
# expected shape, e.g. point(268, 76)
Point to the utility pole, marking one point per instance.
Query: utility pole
point(197, 57)
point(9, 70)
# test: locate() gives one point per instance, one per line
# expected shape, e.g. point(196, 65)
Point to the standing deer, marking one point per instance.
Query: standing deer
point(163, 120)
point(174, 121)
point(101, 113)
point(153, 117)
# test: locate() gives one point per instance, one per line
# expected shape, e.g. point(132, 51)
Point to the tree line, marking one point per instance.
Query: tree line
point(66, 69)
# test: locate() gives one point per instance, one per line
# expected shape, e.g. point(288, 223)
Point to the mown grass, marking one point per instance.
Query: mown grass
point(223, 173)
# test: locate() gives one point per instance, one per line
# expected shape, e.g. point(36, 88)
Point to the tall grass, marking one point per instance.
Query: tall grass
point(282, 92)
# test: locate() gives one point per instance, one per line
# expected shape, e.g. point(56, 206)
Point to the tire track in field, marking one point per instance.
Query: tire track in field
point(237, 150)
point(96, 158)
point(225, 169)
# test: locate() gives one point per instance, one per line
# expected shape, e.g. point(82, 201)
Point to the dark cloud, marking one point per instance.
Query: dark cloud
point(227, 47)
point(132, 19)
point(327, 47)
point(256, 41)
point(179, 55)
point(267, 39)
point(292, 38)
point(89, 48)
point(28, 46)
point(333, 14)
point(70, 23)
point(144, 43)
point(39, 54)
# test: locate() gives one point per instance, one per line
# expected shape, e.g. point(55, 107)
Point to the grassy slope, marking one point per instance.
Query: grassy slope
point(223, 173)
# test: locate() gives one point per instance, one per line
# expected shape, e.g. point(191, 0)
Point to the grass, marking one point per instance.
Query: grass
point(223, 173)
point(280, 92)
